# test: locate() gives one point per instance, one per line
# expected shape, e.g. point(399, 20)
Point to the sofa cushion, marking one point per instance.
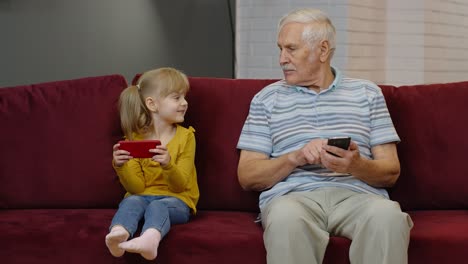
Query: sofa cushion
point(77, 236)
point(229, 237)
point(56, 141)
point(436, 234)
point(55, 236)
point(218, 117)
point(217, 110)
point(439, 236)
point(215, 237)
point(431, 152)
point(431, 122)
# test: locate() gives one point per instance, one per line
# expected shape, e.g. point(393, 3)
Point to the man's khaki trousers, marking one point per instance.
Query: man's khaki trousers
point(297, 227)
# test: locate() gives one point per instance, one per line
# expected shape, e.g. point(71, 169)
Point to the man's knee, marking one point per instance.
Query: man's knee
point(386, 213)
point(285, 212)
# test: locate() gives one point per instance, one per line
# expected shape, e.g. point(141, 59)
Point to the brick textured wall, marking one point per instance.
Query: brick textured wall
point(387, 41)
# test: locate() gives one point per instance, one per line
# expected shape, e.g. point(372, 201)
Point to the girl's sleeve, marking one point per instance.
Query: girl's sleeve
point(131, 176)
point(180, 171)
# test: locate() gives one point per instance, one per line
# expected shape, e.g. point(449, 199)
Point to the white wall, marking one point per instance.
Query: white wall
point(257, 20)
point(446, 40)
point(387, 41)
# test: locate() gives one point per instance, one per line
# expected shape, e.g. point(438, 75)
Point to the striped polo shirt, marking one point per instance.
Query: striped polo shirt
point(283, 118)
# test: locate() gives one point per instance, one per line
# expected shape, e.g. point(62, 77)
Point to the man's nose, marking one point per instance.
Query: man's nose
point(283, 58)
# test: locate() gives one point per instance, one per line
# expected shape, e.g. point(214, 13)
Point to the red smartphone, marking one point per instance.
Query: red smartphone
point(139, 148)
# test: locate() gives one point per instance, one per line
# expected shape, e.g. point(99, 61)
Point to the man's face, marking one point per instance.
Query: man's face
point(300, 62)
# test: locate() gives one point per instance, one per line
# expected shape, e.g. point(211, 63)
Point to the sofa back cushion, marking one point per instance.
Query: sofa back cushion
point(56, 144)
point(217, 111)
point(432, 123)
point(428, 118)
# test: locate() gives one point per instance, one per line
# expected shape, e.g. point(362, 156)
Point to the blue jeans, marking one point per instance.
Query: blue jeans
point(159, 212)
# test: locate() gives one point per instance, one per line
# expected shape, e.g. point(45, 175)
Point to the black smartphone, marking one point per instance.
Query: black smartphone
point(340, 142)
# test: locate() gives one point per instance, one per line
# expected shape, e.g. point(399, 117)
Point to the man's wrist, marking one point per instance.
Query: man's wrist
point(357, 166)
point(293, 159)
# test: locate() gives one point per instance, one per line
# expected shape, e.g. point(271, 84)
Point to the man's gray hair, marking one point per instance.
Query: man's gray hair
point(324, 31)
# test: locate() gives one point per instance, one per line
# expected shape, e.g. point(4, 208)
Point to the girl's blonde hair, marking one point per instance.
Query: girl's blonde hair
point(135, 117)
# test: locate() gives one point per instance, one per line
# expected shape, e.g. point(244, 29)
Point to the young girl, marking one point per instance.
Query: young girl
point(163, 189)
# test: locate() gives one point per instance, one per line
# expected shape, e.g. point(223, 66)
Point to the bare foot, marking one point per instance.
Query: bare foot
point(117, 235)
point(146, 245)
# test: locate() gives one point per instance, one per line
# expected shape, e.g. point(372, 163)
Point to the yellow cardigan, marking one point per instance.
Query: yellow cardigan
point(178, 179)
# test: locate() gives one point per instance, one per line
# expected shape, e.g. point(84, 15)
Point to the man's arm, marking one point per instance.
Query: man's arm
point(257, 172)
point(382, 171)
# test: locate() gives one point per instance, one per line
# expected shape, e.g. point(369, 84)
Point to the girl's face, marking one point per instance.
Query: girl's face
point(172, 108)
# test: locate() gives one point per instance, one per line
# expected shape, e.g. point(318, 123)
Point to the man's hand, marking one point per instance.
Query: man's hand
point(309, 154)
point(345, 163)
point(381, 171)
point(162, 155)
point(120, 156)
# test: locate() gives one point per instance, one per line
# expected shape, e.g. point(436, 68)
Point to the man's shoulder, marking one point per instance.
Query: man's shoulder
point(271, 90)
point(355, 83)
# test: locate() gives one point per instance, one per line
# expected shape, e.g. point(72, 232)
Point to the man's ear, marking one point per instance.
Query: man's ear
point(151, 104)
point(324, 50)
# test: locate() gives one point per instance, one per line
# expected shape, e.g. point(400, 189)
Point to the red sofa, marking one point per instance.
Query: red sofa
point(58, 191)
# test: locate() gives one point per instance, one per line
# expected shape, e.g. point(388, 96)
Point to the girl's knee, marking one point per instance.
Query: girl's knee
point(133, 200)
point(177, 211)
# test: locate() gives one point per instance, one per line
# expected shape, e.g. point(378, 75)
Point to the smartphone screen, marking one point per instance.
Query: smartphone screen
point(340, 142)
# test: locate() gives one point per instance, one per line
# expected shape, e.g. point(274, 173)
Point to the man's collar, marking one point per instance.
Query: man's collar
point(338, 76)
point(336, 81)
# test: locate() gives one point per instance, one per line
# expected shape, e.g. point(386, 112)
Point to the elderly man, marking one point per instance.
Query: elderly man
point(311, 190)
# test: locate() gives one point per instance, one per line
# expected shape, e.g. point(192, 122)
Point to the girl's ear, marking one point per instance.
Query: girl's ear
point(151, 104)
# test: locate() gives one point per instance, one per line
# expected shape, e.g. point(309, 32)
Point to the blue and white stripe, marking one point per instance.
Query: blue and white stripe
point(283, 118)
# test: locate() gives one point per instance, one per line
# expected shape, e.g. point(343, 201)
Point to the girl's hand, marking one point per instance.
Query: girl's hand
point(120, 156)
point(162, 155)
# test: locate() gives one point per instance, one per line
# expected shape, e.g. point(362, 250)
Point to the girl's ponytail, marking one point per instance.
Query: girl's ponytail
point(134, 116)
